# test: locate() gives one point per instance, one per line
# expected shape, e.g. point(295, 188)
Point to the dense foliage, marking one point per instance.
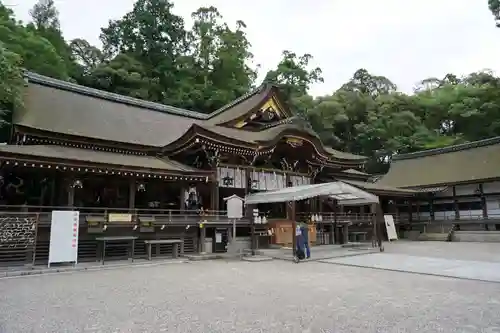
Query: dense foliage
point(149, 53)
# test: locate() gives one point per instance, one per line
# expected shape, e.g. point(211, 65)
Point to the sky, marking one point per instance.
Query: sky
point(406, 41)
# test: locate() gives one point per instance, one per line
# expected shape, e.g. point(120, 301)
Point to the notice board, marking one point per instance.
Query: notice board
point(64, 237)
point(390, 227)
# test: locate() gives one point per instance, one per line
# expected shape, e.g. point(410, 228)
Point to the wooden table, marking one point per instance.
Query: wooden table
point(175, 243)
point(108, 239)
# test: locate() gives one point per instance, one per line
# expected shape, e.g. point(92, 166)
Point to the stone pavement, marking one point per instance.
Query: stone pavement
point(463, 269)
point(235, 296)
point(319, 252)
point(477, 261)
point(489, 252)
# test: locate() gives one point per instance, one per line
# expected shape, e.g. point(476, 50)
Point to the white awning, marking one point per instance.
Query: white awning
point(345, 194)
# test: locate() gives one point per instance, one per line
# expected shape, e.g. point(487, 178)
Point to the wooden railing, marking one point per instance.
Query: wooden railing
point(465, 217)
point(25, 230)
point(99, 215)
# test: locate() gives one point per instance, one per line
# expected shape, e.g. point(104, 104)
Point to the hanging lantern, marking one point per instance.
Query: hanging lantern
point(77, 184)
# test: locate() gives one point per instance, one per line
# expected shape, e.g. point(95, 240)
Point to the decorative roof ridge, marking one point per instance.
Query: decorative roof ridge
point(449, 149)
point(288, 120)
point(113, 97)
point(238, 100)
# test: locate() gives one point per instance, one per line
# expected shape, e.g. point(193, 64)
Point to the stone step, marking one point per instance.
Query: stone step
point(438, 237)
point(256, 258)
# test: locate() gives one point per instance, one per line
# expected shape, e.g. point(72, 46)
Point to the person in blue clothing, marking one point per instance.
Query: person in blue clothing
point(304, 230)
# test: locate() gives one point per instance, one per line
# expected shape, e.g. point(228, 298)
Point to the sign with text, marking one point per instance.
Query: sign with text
point(64, 236)
point(234, 207)
point(390, 227)
point(119, 217)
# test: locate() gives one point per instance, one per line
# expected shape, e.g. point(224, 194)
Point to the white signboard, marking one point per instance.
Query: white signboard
point(390, 227)
point(64, 237)
point(234, 207)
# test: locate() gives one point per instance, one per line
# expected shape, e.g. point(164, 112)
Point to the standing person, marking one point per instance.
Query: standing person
point(304, 228)
point(299, 251)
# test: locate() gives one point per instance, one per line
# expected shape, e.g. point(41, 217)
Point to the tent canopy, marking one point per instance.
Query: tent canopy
point(344, 193)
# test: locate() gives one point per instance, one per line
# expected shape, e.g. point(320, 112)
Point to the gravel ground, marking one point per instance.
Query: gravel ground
point(234, 296)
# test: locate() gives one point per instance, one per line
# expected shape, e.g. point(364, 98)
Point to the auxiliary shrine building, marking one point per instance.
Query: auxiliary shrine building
point(156, 171)
point(459, 183)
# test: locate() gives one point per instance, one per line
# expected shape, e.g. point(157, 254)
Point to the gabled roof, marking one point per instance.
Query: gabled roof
point(239, 106)
point(60, 107)
point(469, 162)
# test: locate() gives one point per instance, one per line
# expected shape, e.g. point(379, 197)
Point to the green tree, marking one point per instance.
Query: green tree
point(123, 75)
point(86, 55)
point(155, 37)
point(373, 85)
point(494, 6)
point(45, 23)
point(220, 62)
point(36, 53)
point(11, 83)
point(294, 77)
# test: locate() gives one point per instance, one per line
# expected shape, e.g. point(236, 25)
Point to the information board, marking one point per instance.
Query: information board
point(64, 237)
point(390, 227)
point(234, 207)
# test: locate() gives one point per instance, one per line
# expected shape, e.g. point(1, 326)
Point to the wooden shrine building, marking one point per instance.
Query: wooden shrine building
point(137, 167)
point(458, 184)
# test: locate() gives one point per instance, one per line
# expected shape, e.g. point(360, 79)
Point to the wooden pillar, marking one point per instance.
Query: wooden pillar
point(132, 189)
point(410, 210)
point(70, 191)
point(288, 207)
point(373, 211)
point(215, 196)
point(418, 210)
point(379, 222)
point(182, 198)
point(455, 203)
point(202, 238)
point(333, 226)
point(53, 181)
point(484, 205)
point(346, 233)
point(431, 207)
point(253, 240)
point(294, 227)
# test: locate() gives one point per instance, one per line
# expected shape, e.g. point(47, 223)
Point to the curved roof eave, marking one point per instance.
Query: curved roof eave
point(258, 140)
